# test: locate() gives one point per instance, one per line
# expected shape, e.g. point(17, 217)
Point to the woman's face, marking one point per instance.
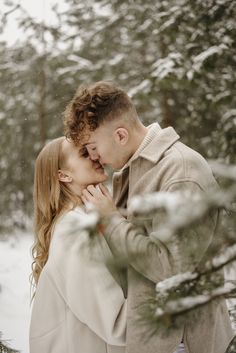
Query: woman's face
point(79, 168)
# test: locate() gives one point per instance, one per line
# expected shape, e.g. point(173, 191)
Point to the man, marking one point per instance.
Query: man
point(148, 159)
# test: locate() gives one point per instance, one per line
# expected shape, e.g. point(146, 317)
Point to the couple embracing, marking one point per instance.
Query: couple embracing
point(80, 305)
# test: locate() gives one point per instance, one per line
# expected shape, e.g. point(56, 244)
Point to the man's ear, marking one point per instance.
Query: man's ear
point(62, 176)
point(121, 136)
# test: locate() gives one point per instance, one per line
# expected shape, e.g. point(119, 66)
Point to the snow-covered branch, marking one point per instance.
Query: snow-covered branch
point(182, 305)
point(176, 282)
point(181, 210)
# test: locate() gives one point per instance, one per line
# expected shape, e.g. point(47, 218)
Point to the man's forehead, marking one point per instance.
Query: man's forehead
point(88, 140)
point(92, 137)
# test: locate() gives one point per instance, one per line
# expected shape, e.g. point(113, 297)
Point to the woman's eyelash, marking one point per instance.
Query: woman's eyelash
point(84, 152)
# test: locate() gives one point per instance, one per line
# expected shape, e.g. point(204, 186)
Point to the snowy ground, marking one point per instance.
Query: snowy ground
point(15, 262)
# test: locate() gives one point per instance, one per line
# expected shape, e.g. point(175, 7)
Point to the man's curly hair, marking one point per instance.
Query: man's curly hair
point(92, 105)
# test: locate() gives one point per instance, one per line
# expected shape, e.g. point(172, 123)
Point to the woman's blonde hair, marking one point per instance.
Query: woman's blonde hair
point(51, 198)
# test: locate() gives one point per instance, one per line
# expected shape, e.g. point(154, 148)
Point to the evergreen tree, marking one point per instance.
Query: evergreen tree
point(176, 60)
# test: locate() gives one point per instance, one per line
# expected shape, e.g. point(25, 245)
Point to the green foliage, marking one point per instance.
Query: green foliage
point(232, 346)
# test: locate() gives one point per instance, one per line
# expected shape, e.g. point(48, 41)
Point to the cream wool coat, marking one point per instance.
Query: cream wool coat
point(78, 307)
point(163, 163)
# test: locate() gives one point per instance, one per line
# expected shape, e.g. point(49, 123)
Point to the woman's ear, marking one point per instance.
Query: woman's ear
point(62, 176)
point(121, 136)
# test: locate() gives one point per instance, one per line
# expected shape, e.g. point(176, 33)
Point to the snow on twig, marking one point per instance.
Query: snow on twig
point(182, 209)
point(188, 303)
point(175, 281)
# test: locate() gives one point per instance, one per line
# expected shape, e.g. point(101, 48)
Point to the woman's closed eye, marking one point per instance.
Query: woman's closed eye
point(83, 152)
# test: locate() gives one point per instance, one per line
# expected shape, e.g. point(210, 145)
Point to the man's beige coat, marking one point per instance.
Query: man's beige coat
point(78, 307)
point(163, 163)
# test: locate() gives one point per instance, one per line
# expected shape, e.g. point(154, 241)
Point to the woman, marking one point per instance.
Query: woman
point(78, 306)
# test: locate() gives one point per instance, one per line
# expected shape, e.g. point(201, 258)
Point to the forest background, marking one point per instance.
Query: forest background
point(175, 58)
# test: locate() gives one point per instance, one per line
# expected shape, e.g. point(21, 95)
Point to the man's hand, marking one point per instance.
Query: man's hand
point(101, 198)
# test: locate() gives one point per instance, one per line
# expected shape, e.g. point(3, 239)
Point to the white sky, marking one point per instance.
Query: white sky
point(39, 9)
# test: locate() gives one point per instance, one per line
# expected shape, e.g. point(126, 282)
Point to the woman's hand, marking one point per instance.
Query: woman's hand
point(100, 197)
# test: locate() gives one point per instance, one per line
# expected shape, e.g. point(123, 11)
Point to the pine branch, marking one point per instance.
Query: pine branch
point(4, 348)
point(184, 305)
point(177, 281)
point(181, 210)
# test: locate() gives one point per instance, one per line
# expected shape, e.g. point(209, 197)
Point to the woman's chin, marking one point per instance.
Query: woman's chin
point(104, 177)
point(102, 173)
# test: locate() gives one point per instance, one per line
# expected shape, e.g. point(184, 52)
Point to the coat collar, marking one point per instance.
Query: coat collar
point(153, 129)
point(154, 145)
point(161, 142)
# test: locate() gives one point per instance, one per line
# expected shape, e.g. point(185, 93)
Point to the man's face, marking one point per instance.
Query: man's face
point(104, 147)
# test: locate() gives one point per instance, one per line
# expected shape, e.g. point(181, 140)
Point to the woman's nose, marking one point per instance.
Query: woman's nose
point(93, 155)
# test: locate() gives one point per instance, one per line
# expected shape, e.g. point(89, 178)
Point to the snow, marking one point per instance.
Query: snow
point(173, 282)
point(116, 60)
point(177, 214)
point(200, 58)
point(150, 202)
point(15, 268)
point(142, 87)
point(15, 262)
point(225, 257)
point(80, 60)
point(182, 304)
point(165, 66)
point(223, 170)
point(230, 114)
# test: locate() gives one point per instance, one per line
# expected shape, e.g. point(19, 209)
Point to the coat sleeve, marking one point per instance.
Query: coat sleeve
point(196, 240)
point(89, 289)
point(129, 242)
point(153, 259)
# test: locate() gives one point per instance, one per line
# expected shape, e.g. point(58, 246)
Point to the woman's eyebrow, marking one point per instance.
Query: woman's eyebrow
point(89, 143)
